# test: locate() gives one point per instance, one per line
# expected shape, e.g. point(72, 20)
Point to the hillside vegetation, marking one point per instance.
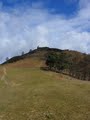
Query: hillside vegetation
point(75, 66)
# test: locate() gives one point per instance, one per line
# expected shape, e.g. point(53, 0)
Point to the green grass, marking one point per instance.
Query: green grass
point(33, 94)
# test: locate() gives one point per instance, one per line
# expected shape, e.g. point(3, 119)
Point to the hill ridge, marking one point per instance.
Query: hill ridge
point(41, 49)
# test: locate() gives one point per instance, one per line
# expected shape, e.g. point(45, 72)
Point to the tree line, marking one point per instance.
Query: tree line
point(75, 66)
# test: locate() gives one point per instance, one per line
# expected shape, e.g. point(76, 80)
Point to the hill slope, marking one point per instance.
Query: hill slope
point(29, 93)
point(33, 94)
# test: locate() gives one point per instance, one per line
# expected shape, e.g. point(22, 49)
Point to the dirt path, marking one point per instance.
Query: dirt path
point(4, 76)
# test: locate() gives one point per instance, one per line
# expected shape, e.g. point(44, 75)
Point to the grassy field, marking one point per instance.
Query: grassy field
point(32, 94)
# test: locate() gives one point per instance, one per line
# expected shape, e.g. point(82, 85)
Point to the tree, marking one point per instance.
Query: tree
point(22, 52)
point(62, 61)
point(51, 60)
point(30, 50)
point(7, 58)
point(57, 62)
point(37, 47)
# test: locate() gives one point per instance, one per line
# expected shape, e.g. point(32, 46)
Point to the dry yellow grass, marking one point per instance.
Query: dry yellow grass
point(28, 62)
point(33, 94)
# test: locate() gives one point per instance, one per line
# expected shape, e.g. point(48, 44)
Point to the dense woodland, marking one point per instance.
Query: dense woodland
point(77, 65)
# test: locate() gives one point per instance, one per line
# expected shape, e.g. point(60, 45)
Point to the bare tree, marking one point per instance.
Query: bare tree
point(7, 58)
point(22, 52)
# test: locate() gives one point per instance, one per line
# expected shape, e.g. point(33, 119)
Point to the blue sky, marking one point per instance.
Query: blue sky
point(25, 24)
point(59, 6)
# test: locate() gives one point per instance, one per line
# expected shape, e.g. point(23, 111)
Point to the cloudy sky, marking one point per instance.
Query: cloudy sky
point(26, 24)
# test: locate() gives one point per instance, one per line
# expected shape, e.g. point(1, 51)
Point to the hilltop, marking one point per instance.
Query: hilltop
point(41, 53)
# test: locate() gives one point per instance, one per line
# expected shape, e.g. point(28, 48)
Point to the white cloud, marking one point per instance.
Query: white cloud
point(22, 30)
point(84, 3)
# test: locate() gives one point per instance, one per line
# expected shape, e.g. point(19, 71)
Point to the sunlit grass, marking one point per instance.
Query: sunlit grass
point(33, 94)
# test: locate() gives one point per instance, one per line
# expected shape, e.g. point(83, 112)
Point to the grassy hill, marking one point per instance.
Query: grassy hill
point(37, 57)
point(73, 63)
point(29, 93)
